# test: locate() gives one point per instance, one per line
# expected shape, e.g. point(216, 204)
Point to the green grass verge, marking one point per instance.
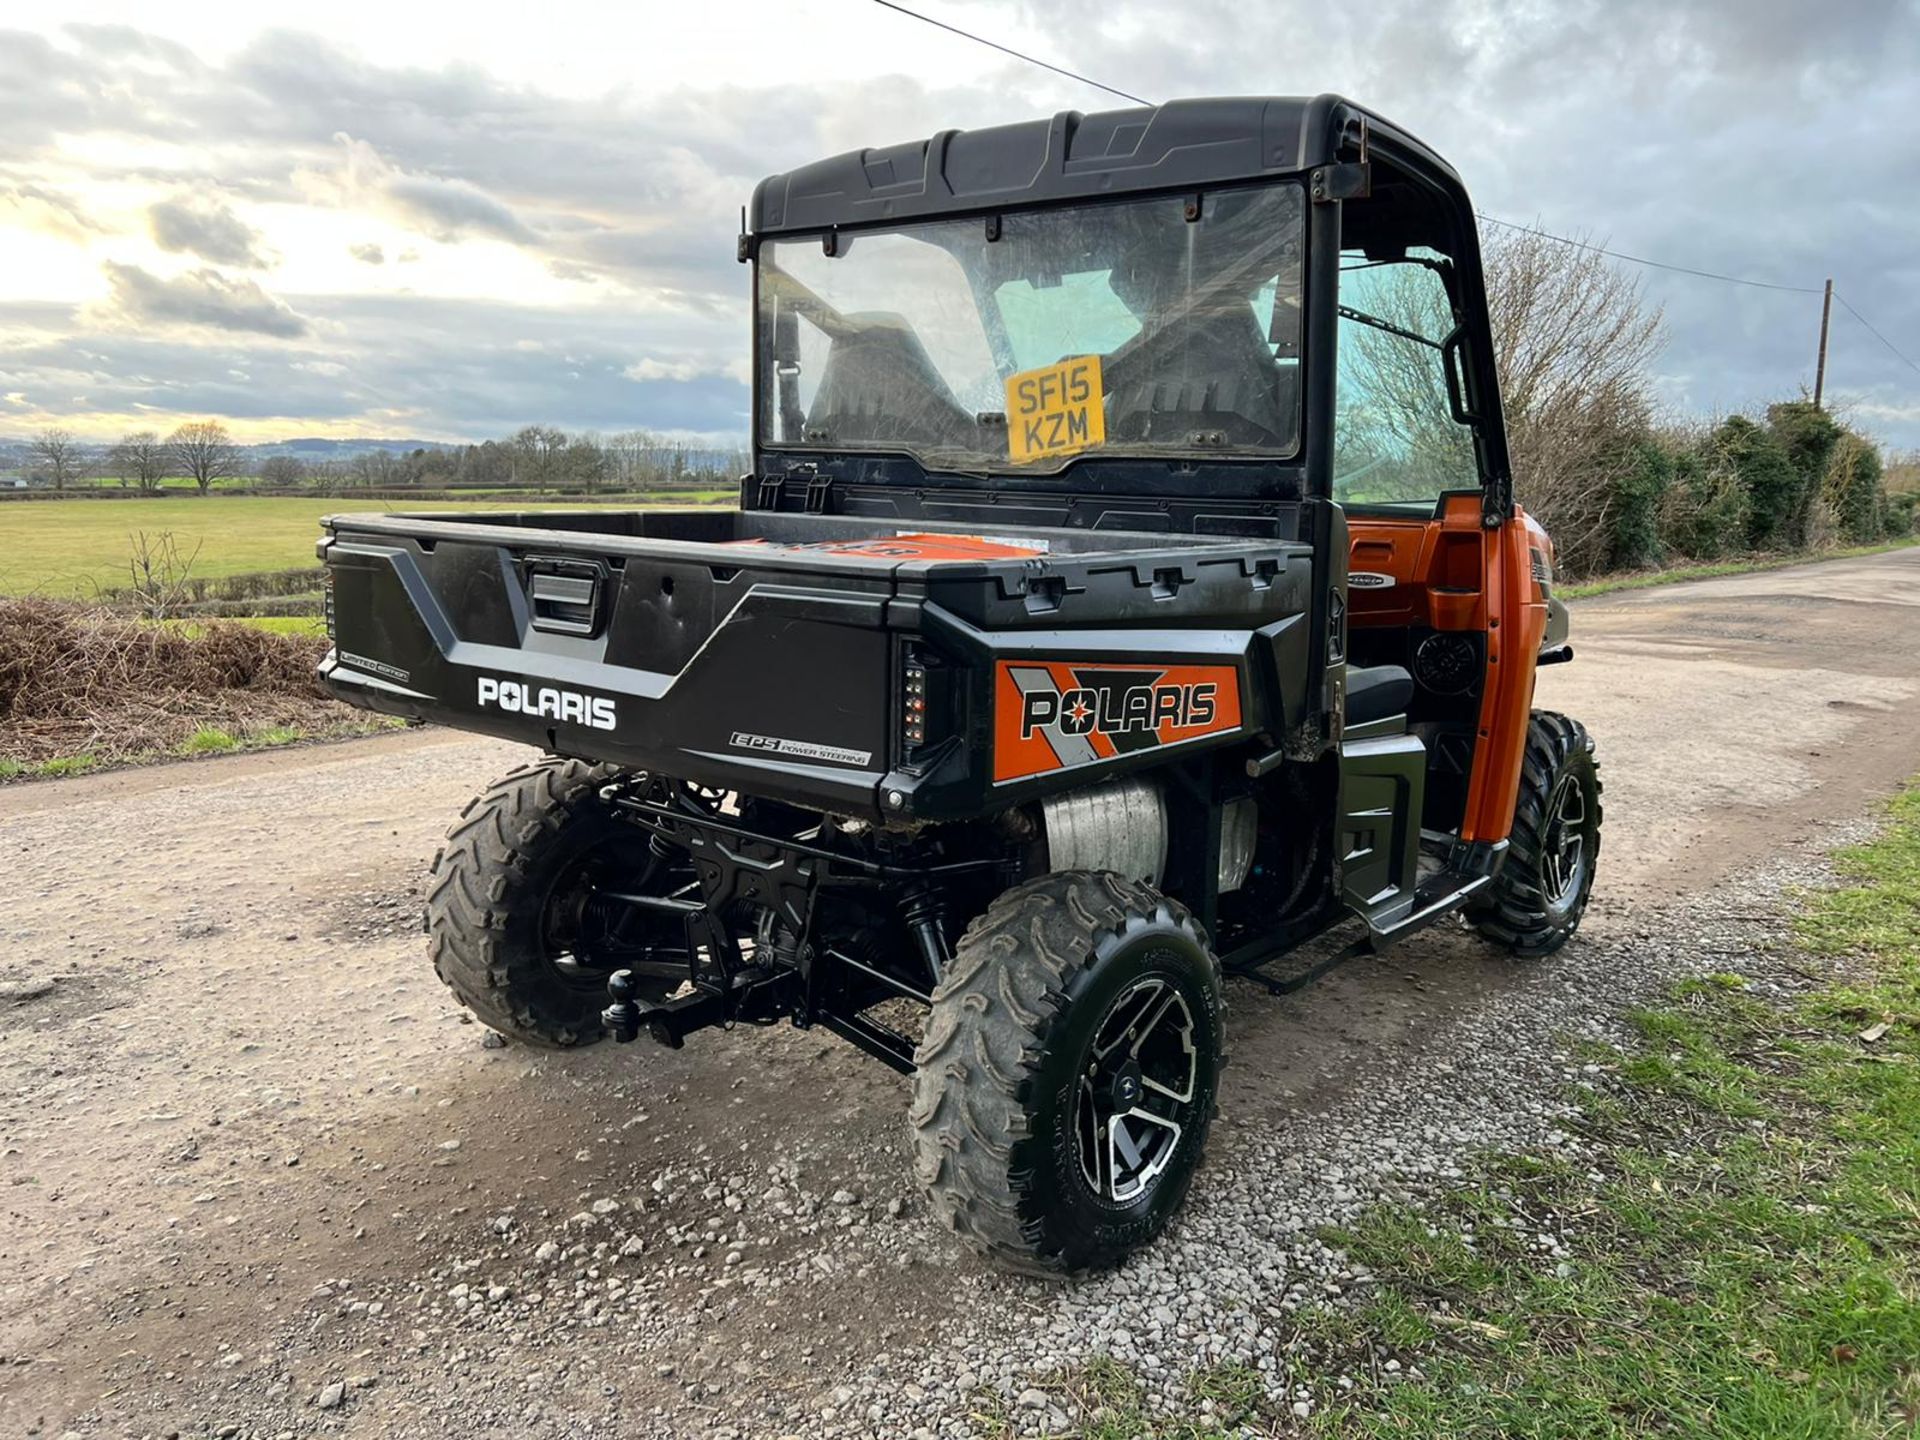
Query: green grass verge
point(194, 626)
point(208, 740)
point(72, 549)
point(53, 769)
point(1741, 1258)
point(1749, 1263)
point(286, 624)
point(1645, 579)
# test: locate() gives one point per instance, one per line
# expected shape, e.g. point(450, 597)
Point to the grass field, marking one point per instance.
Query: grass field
point(71, 548)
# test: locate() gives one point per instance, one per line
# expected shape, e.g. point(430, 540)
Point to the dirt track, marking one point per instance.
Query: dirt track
point(230, 1077)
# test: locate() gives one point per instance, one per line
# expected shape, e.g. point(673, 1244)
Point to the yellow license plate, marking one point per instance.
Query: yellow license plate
point(1055, 410)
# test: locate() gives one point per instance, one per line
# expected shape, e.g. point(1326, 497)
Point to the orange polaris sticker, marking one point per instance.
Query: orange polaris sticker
point(1057, 714)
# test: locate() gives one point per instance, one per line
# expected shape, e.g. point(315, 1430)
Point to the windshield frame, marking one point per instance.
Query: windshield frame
point(1136, 467)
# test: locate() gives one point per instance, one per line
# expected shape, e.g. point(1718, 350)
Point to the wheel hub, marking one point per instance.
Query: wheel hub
point(1135, 1097)
point(586, 935)
point(1563, 853)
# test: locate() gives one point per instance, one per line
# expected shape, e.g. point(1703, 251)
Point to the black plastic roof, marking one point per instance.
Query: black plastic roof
point(1181, 144)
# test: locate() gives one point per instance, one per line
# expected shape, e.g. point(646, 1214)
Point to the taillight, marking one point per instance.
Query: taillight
point(914, 711)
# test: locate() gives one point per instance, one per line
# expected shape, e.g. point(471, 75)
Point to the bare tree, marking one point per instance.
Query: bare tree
point(1575, 341)
point(1903, 473)
point(282, 471)
point(585, 463)
point(330, 474)
point(374, 468)
point(141, 457)
point(161, 574)
point(204, 450)
point(59, 452)
point(626, 455)
point(536, 454)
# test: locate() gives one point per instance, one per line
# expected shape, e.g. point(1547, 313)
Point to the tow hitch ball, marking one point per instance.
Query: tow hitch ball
point(626, 1015)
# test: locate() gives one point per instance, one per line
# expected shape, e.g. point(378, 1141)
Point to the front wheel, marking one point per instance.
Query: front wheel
point(1535, 903)
point(1069, 1070)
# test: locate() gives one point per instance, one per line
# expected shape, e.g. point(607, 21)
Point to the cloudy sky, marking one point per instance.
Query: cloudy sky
point(401, 220)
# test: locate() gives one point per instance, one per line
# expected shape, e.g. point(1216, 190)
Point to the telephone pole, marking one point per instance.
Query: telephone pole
point(1820, 371)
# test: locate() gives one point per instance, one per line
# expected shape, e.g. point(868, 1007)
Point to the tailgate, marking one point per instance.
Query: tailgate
point(723, 664)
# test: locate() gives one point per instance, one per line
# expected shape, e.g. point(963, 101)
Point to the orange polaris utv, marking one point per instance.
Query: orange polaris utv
point(1128, 588)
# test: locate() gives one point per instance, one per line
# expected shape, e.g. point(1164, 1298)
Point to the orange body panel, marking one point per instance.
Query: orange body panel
point(1058, 714)
point(1437, 569)
point(1452, 573)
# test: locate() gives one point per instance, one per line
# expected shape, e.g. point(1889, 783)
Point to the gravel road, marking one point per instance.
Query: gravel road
point(263, 1180)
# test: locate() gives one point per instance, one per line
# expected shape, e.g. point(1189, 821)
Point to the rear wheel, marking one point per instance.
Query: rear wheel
point(522, 930)
point(1067, 1078)
point(1536, 901)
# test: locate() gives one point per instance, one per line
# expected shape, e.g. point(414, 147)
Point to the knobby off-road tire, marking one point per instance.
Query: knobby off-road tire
point(1535, 903)
point(489, 895)
point(999, 1113)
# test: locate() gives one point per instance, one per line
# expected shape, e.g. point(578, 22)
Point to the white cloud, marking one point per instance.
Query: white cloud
point(206, 227)
point(202, 298)
point(652, 369)
point(528, 166)
point(46, 209)
point(447, 210)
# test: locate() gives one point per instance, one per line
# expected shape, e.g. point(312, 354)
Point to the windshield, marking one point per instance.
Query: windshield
point(1120, 328)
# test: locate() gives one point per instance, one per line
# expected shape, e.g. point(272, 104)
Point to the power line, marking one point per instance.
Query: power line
point(1493, 220)
point(1009, 50)
point(1490, 219)
point(1651, 264)
point(1876, 334)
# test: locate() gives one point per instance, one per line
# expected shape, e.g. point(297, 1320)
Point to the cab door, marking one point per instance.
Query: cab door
point(1443, 575)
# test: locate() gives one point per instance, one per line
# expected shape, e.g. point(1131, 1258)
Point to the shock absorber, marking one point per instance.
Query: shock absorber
point(924, 909)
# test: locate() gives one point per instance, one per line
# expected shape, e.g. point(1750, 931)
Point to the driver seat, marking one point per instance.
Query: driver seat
point(1214, 373)
point(1375, 692)
point(879, 387)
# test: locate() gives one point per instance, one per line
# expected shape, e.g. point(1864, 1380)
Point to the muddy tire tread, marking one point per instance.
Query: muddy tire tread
point(992, 1015)
point(1514, 915)
point(476, 888)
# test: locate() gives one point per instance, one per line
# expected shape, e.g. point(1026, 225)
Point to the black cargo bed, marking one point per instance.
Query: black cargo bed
point(681, 640)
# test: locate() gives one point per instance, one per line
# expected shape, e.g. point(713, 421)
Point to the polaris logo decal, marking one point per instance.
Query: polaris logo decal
point(597, 712)
point(1116, 710)
point(1055, 715)
point(1369, 580)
